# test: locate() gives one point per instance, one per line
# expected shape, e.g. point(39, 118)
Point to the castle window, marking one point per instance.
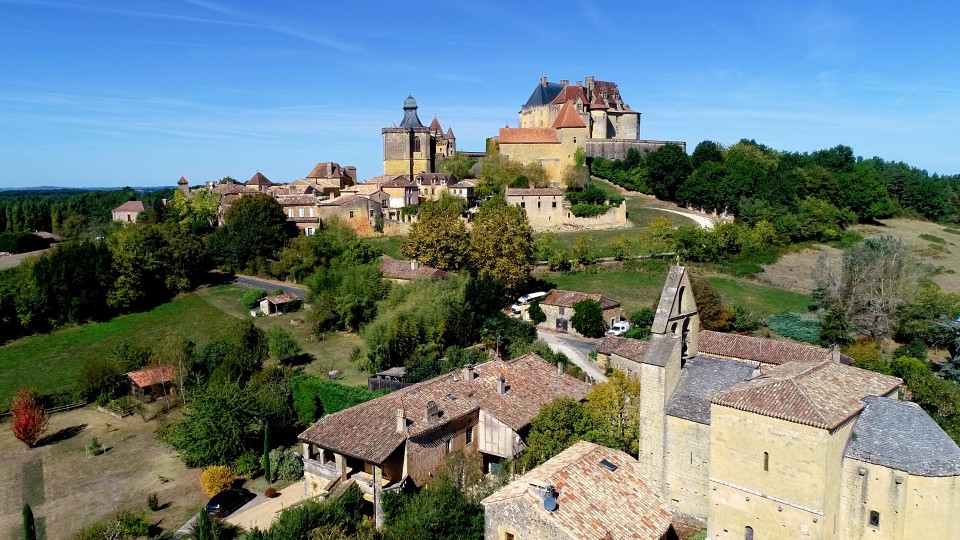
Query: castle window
point(508, 536)
point(874, 518)
point(554, 204)
point(351, 214)
point(766, 461)
point(748, 533)
point(538, 204)
point(416, 144)
point(523, 204)
point(469, 435)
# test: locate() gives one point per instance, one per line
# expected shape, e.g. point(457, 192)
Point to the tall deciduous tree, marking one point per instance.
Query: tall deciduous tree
point(615, 404)
point(502, 243)
point(588, 318)
point(668, 167)
point(458, 165)
point(255, 229)
point(710, 306)
point(29, 419)
point(439, 238)
point(216, 428)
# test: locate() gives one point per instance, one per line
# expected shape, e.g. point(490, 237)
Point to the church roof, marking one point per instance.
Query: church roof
point(700, 378)
point(543, 94)
point(568, 117)
point(901, 436)
point(766, 351)
point(327, 169)
point(529, 136)
point(259, 180)
point(823, 395)
point(410, 118)
point(182, 181)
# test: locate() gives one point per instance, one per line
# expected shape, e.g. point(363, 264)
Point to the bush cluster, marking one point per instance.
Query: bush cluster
point(215, 479)
point(796, 327)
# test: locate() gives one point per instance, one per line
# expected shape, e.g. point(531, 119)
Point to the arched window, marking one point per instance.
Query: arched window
point(416, 144)
point(680, 300)
point(748, 533)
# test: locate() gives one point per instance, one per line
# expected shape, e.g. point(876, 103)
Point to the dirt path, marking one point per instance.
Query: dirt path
point(707, 221)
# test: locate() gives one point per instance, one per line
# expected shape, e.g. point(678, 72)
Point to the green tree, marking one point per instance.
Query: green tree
point(203, 530)
point(501, 244)
point(458, 165)
point(536, 313)
point(358, 293)
point(283, 346)
point(576, 177)
point(439, 238)
point(707, 151)
point(713, 316)
point(865, 194)
point(439, 511)
point(29, 527)
point(216, 428)
point(668, 167)
point(834, 328)
point(588, 318)
point(585, 251)
point(621, 247)
point(255, 229)
point(615, 407)
point(559, 424)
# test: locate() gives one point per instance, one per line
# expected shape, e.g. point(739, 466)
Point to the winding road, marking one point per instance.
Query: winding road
point(576, 349)
point(702, 221)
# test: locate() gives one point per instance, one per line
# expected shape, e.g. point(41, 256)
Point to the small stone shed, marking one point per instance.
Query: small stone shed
point(151, 383)
point(281, 303)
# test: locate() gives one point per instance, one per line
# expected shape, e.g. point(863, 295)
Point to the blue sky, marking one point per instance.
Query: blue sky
point(135, 92)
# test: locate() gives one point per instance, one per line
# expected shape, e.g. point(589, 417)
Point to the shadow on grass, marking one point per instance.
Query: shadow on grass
point(62, 435)
point(299, 360)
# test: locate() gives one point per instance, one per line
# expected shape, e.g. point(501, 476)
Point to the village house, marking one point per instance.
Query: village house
point(558, 307)
point(360, 212)
point(586, 492)
point(430, 186)
point(259, 182)
point(544, 206)
point(405, 271)
point(151, 383)
point(772, 440)
point(463, 189)
point(301, 210)
point(402, 438)
point(128, 211)
point(279, 303)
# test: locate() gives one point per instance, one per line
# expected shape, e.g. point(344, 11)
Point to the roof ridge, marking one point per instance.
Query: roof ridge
point(814, 405)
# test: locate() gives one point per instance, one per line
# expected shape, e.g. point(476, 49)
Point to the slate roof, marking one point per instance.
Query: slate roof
point(529, 136)
point(568, 118)
point(436, 178)
point(767, 351)
point(259, 179)
point(700, 378)
point(901, 436)
point(368, 431)
point(631, 349)
point(593, 502)
point(556, 297)
point(823, 394)
point(401, 269)
point(295, 199)
point(410, 118)
point(531, 192)
point(543, 94)
point(152, 375)
point(132, 206)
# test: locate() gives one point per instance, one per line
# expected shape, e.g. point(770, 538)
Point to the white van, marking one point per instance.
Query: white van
point(619, 328)
point(526, 299)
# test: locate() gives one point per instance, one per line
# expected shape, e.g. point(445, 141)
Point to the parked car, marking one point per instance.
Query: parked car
point(228, 501)
point(619, 328)
point(526, 299)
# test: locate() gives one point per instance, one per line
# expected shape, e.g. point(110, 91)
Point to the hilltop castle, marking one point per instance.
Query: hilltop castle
point(559, 117)
point(411, 147)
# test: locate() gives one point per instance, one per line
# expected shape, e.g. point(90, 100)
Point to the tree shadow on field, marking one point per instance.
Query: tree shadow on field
point(62, 435)
point(301, 359)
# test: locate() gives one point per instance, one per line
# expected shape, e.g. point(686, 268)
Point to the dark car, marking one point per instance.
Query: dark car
point(226, 502)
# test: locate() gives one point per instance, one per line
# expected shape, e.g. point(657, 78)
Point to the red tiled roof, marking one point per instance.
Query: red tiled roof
point(822, 395)
point(152, 375)
point(631, 349)
point(598, 101)
point(132, 206)
point(435, 125)
point(594, 502)
point(529, 136)
point(766, 351)
point(327, 169)
point(570, 93)
point(556, 297)
point(568, 118)
point(182, 181)
point(533, 192)
point(259, 180)
point(449, 135)
point(368, 431)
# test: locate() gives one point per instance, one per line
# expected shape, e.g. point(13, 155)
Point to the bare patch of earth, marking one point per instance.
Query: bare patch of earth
point(797, 270)
point(935, 244)
point(9, 261)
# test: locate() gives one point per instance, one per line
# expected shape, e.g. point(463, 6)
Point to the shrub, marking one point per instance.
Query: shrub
point(270, 492)
point(215, 479)
point(588, 318)
point(95, 448)
point(99, 376)
point(29, 417)
point(588, 210)
point(642, 317)
point(251, 299)
point(124, 524)
point(794, 326)
point(914, 349)
point(559, 260)
point(638, 332)
point(536, 313)
point(584, 251)
point(285, 464)
point(153, 502)
point(621, 247)
point(248, 464)
point(744, 320)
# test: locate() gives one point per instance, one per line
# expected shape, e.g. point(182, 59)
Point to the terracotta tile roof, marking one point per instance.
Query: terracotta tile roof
point(598, 101)
point(766, 351)
point(152, 375)
point(529, 192)
point(327, 169)
point(435, 125)
point(631, 349)
point(529, 136)
point(823, 394)
point(132, 206)
point(570, 93)
point(560, 298)
point(344, 199)
point(402, 269)
point(568, 118)
point(284, 298)
point(259, 180)
point(182, 181)
point(593, 502)
point(368, 431)
point(449, 135)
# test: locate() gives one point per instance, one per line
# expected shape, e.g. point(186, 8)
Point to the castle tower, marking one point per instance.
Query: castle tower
point(673, 339)
point(183, 186)
point(409, 148)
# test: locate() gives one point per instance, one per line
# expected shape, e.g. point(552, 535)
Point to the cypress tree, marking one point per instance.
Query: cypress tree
point(203, 529)
point(29, 529)
point(266, 451)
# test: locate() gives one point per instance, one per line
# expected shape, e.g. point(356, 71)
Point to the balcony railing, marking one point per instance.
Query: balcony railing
point(327, 470)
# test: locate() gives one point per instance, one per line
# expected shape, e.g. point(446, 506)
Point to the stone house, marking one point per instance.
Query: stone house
point(586, 492)
point(260, 182)
point(402, 192)
point(278, 304)
point(430, 186)
point(151, 383)
point(402, 438)
point(771, 440)
point(301, 210)
point(358, 211)
point(405, 271)
point(463, 189)
point(544, 206)
point(128, 211)
point(557, 305)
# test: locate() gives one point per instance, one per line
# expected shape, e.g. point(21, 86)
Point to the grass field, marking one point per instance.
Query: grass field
point(389, 244)
point(641, 289)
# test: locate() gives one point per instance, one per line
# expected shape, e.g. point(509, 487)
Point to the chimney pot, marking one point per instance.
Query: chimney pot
point(543, 81)
point(468, 373)
point(565, 82)
point(401, 421)
point(579, 83)
point(501, 385)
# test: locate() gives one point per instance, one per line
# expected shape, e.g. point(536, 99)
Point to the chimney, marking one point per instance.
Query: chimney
point(559, 368)
point(414, 264)
point(432, 411)
point(543, 81)
point(565, 82)
point(835, 354)
point(580, 83)
point(468, 373)
point(351, 172)
point(401, 421)
point(501, 385)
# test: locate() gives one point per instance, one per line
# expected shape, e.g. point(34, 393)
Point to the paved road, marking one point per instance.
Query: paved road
point(702, 221)
point(269, 285)
point(576, 349)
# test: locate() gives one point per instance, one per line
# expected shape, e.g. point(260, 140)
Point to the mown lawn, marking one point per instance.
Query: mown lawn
point(49, 363)
point(389, 244)
point(642, 289)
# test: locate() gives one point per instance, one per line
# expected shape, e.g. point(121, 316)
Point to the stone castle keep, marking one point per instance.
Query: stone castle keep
point(411, 147)
point(776, 440)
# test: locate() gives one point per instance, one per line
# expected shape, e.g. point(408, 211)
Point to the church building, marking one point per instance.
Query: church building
point(412, 148)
